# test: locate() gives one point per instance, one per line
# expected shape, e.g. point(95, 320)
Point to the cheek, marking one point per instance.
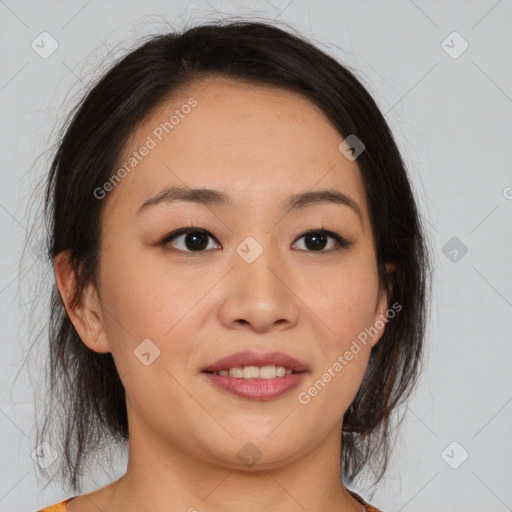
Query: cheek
point(132, 301)
point(145, 300)
point(346, 301)
point(347, 307)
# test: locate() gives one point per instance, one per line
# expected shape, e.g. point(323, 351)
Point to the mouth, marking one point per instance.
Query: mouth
point(256, 376)
point(255, 372)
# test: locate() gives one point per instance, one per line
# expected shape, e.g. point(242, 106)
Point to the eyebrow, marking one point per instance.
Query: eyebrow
point(209, 197)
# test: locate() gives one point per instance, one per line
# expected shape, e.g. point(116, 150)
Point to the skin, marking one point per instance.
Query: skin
point(260, 145)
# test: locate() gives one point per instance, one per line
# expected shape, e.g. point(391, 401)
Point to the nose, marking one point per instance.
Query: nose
point(260, 295)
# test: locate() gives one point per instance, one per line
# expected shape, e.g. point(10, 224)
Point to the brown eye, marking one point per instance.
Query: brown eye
point(317, 240)
point(197, 240)
point(190, 239)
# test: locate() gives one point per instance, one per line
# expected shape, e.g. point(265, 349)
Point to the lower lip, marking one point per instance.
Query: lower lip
point(257, 389)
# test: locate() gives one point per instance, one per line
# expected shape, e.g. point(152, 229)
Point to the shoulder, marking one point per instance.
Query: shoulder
point(58, 507)
point(367, 506)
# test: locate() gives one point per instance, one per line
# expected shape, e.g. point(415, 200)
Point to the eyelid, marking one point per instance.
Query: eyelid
point(341, 241)
point(184, 231)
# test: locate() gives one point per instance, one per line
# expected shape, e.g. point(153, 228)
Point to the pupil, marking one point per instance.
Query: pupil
point(196, 241)
point(318, 241)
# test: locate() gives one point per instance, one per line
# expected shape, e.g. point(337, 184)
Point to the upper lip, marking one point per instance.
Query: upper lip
point(249, 358)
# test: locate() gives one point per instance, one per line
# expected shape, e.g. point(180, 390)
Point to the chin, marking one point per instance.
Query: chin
point(256, 450)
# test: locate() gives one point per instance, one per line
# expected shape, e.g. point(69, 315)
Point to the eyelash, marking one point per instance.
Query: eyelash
point(342, 242)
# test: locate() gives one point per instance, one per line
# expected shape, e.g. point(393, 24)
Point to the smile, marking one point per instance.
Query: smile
point(255, 372)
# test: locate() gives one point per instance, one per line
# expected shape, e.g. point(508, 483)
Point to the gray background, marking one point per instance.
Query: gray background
point(452, 120)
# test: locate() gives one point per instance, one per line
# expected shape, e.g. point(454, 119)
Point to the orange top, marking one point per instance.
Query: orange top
point(61, 507)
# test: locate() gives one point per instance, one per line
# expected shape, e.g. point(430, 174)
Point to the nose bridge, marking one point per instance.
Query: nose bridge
point(258, 296)
point(259, 252)
point(258, 260)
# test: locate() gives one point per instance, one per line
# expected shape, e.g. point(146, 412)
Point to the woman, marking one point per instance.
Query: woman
point(240, 277)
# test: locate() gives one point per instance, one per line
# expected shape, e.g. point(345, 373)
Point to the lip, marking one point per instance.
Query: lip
point(257, 389)
point(249, 358)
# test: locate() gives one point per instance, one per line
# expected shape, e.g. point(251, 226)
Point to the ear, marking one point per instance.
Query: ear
point(86, 314)
point(380, 318)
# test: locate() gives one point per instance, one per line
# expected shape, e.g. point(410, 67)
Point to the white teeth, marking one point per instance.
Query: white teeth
point(236, 372)
point(270, 372)
point(256, 372)
point(251, 372)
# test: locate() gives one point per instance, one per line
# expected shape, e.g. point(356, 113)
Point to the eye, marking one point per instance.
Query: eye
point(192, 239)
point(316, 240)
point(197, 240)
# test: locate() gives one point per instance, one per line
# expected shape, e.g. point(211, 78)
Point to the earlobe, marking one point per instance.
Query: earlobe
point(379, 320)
point(381, 313)
point(85, 314)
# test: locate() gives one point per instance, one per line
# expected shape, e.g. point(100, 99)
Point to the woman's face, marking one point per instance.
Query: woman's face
point(248, 281)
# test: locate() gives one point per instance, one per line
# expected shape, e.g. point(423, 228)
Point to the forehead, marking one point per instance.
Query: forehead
point(257, 143)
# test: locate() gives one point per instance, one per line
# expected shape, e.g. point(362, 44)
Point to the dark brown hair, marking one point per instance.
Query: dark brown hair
point(85, 384)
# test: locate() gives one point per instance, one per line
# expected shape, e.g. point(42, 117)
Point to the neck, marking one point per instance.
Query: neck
point(164, 477)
